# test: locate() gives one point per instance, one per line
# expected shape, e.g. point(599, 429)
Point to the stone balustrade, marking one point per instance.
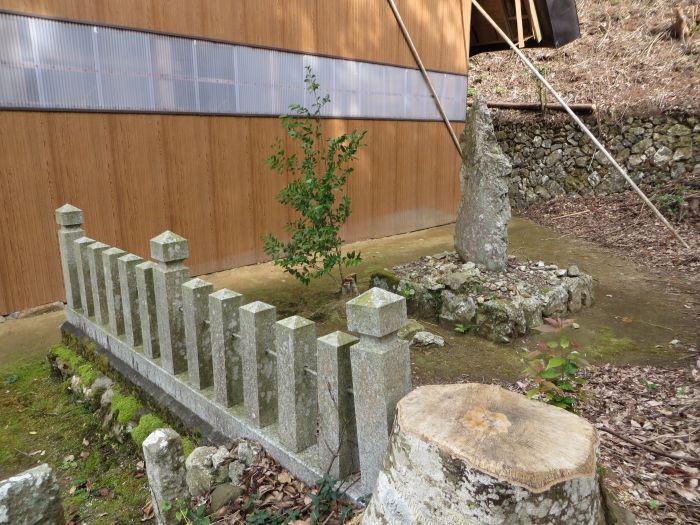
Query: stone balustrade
point(316, 404)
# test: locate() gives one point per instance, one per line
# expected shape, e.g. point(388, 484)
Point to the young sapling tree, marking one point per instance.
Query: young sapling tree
point(317, 193)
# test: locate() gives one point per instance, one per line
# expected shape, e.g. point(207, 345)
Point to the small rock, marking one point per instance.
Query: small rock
point(427, 339)
point(575, 326)
point(573, 271)
point(200, 472)
point(235, 471)
point(561, 273)
point(662, 156)
point(219, 457)
point(456, 280)
point(223, 495)
point(411, 327)
point(31, 497)
point(247, 452)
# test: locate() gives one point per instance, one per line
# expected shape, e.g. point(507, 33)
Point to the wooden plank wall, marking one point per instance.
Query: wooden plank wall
point(360, 29)
point(204, 177)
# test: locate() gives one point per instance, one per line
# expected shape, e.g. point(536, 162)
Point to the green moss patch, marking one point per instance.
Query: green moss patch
point(607, 344)
point(147, 424)
point(83, 368)
point(125, 408)
point(39, 423)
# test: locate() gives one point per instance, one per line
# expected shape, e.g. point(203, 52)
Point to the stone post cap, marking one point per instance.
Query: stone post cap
point(130, 257)
point(376, 312)
point(146, 265)
point(97, 245)
point(256, 307)
point(294, 322)
point(69, 215)
point(169, 247)
point(338, 339)
point(114, 251)
point(224, 294)
point(194, 284)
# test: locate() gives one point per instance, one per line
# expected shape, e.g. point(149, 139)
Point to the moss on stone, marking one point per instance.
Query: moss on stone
point(187, 446)
point(87, 374)
point(125, 408)
point(147, 424)
point(67, 356)
point(392, 281)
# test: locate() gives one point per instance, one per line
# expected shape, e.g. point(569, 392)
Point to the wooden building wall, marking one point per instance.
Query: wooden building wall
point(204, 177)
point(359, 29)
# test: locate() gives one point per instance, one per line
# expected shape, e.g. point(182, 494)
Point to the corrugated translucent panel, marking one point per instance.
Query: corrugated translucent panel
point(125, 69)
point(216, 73)
point(61, 65)
point(18, 81)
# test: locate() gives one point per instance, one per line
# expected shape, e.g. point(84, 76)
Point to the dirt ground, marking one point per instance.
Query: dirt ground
point(623, 224)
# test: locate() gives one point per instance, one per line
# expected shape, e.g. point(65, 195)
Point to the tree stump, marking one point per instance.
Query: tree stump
point(474, 453)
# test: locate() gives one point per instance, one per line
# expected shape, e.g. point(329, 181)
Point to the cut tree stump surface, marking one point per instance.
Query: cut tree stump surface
point(501, 433)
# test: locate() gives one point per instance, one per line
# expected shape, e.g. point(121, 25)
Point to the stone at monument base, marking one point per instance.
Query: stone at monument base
point(479, 454)
point(498, 306)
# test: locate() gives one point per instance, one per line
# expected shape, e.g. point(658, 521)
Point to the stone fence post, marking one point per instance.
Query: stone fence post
point(226, 347)
point(381, 373)
point(170, 250)
point(295, 339)
point(259, 362)
point(83, 264)
point(147, 309)
point(195, 304)
point(70, 218)
point(337, 432)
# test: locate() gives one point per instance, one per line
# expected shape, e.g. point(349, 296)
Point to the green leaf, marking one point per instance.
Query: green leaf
point(532, 392)
point(553, 344)
point(564, 342)
point(549, 374)
point(555, 362)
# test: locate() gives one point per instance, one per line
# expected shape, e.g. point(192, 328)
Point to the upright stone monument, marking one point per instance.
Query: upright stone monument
point(481, 234)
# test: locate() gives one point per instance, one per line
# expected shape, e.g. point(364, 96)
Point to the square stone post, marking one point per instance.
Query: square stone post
point(381, 373)
point(337, 432)
point(114, 291)
point(195, 303)
point(70, 218)
point(225, 345)
point(147, 309)
point(130, 297)
point(97, 281)
point(259, 362)
point(82, 262)
point(297, 401)
point(169, 249)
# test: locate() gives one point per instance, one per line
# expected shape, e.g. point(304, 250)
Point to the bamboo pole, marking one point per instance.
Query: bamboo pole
point(418, 60)
point(578, 121)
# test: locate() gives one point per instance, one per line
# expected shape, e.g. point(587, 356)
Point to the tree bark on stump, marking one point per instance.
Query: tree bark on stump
point(471, 453)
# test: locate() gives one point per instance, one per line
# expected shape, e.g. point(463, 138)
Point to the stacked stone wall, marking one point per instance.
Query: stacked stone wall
point(551, 157)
